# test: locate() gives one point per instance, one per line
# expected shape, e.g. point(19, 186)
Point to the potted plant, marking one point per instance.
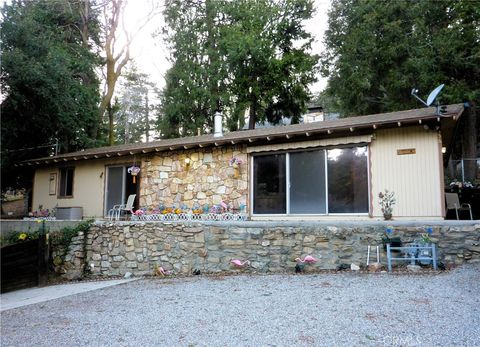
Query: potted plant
point(426, 242)
point(387, 200)
point(235, 163)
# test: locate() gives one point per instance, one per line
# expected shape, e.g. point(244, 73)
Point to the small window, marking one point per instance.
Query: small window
point(66, 182)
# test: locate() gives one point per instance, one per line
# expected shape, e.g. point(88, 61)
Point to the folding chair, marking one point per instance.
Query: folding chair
point(116, 211)
point(453, 203)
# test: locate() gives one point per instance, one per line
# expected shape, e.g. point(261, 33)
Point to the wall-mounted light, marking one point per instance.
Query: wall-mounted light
point(444, 150)
point(187, 163)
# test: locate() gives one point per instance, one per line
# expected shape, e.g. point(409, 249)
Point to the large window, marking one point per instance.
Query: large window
point(66, 182)
point(311, 182)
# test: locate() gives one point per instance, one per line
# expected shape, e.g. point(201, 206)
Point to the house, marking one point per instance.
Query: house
point(322, 170)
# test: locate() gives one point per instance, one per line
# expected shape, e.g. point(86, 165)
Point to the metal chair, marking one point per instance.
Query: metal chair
point(116, 211)
point(453, 203)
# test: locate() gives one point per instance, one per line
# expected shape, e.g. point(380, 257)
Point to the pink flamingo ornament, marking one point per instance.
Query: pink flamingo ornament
point(162, 272)
point(308, 259)
point(239, 263)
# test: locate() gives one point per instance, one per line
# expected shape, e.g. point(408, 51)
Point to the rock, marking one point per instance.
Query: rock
point(57, 260)
point(342, 267)
point(354, 267)
point(413, 268)
point(128, 275)
point(374, 267)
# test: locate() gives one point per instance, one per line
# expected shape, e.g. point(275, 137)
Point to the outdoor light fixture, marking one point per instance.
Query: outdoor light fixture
point(187, 163)
point(444, 150)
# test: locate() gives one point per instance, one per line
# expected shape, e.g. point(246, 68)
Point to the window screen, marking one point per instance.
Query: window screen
point(307, 182)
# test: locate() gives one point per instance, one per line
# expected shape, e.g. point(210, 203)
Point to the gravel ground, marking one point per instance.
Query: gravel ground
point(345, 309)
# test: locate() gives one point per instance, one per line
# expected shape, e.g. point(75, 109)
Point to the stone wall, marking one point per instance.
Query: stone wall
point(208, 179)
point(138, 247)
point(68, 261)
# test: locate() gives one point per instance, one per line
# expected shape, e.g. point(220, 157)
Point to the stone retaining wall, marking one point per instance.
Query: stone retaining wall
point(138, 247)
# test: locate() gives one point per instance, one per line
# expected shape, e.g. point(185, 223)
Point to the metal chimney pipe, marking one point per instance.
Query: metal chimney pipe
point(218, 129)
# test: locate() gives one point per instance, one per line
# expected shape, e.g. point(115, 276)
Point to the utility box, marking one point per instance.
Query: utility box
point(69, 213)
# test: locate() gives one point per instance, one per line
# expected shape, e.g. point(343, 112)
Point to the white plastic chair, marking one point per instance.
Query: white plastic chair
point(453, 203)
point(116, 211)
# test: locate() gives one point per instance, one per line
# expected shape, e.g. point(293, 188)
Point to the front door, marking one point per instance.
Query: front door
point(119, 185)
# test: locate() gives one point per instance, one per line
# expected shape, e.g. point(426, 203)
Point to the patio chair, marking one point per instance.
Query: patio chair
point(116, 211)
point(453, 203)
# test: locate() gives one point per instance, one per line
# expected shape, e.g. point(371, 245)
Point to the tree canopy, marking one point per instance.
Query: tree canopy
point(241, 55)
point(134, 107)
point(44, 73)
point(377, 51)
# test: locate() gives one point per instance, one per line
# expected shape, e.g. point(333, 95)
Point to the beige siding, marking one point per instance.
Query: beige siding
point(88, 187)
point(415, 178)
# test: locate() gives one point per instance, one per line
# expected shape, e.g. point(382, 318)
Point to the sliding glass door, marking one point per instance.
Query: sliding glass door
point(307, 183)
point(311, 182)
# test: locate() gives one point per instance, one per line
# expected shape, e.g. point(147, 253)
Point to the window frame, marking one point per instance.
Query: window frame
point(60, 190)
point(288, 183)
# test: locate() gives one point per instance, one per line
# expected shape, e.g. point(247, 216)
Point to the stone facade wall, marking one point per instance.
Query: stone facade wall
point(138, 247)
point(208, 179)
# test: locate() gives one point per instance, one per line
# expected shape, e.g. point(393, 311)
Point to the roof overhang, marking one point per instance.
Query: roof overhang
point(298, 132)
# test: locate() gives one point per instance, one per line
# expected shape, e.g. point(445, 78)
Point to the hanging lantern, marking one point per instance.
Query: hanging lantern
point(133, 170)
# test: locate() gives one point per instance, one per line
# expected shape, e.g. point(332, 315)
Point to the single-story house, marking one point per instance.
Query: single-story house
point(331, 169)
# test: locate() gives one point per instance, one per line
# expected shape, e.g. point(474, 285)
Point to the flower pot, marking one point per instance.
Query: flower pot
point(236, 172)
point(387, 216)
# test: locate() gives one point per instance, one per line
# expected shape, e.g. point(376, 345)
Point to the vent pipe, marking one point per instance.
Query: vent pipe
point(218, 131)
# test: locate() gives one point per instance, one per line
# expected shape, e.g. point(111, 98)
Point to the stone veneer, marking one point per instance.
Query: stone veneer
point(138, 247)
point(209, 179)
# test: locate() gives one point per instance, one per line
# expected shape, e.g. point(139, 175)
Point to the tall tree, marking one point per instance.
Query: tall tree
point(43, 72)
point(241, 55)
point(267, 55)
point(195, 84)
point(377, 51)
point(134, 105)
point(117, 41)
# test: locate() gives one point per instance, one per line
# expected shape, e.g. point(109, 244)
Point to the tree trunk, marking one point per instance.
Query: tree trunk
point(110, 125)
point(253, 113)
point(147, 122)
point(470, 143)
point(212, 55)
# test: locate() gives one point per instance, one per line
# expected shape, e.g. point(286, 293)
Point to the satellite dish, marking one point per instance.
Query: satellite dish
point(433, 95)
point(431, 98)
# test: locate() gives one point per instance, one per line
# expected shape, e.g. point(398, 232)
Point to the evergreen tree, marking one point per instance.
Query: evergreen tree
point(241, 55)
point(134, 107)
point(48, 79)
point(377, 51)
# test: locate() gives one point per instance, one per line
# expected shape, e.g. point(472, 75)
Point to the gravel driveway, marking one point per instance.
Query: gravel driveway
point(273, 310)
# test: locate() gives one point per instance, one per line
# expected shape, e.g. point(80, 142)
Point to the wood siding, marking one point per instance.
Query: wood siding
point(415, 178)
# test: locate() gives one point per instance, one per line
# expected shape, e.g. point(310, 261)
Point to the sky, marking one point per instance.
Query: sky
point(150, 54)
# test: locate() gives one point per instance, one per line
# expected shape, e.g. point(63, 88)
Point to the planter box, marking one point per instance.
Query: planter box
point(14, 208)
